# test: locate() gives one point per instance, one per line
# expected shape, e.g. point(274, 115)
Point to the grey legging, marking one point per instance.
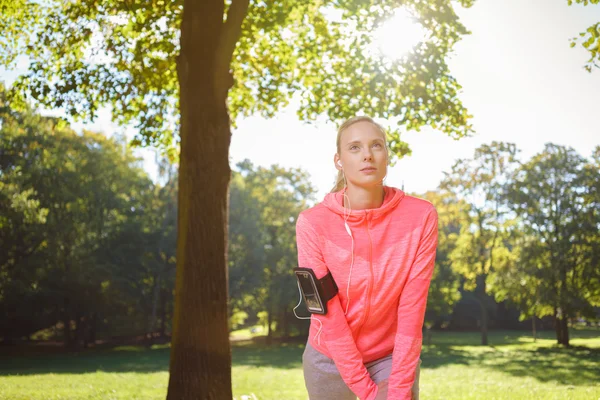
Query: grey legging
point(323, 381)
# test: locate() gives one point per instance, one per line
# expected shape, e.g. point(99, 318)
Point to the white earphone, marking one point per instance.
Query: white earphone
point(348, 229)
point(346, 216)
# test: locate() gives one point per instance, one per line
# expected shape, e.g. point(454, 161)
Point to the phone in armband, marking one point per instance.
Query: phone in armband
point(316, 292)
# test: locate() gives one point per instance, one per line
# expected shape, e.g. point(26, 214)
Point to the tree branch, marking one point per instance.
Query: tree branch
point(230, 34)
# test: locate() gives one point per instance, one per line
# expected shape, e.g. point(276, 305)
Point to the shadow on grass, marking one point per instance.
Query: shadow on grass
point(283, 355)
point(510, 353)
point(515, 354)
point(35, 360)
point(496, 338)
point(577, 366)
point(139, 360)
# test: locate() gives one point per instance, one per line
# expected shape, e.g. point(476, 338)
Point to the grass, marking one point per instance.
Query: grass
point(247, 333)
point(454, 367)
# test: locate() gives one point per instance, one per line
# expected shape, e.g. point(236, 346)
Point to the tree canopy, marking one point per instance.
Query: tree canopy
point(87, 54)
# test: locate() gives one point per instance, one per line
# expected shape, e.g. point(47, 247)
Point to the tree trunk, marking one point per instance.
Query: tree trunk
point(152, 322)
point(85, 328)
point(163, 313)
point(564, 327)
point(533, 329)
point(77, 340)
point(67, 322)
point(480, 295)
point(286, 324)
point(200, 366)
point(484, 323)
point(427, 335)
point(270, 323)
point(93, 327)
point(557, 326)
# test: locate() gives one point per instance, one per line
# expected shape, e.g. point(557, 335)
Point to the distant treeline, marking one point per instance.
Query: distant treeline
point(88, 240)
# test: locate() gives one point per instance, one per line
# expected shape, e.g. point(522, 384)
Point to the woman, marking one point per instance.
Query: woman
point(379, 245)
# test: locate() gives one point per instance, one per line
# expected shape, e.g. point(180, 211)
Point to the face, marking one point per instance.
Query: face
point(363, 154)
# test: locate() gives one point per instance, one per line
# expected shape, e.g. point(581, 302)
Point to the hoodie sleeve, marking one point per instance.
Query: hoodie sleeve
point(335, 331)
point(411, 313)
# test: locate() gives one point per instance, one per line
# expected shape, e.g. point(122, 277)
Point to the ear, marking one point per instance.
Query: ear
point(337, 162)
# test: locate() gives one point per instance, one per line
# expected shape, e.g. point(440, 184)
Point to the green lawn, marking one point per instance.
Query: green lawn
point(454, 367)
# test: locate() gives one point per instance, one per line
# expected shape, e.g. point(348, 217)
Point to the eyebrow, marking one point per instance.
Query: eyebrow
point(358, 141)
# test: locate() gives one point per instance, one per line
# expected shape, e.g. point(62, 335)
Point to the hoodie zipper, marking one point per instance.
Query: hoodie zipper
point(370, 286)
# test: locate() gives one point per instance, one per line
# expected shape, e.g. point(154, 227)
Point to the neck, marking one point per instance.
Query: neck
point(364, 198)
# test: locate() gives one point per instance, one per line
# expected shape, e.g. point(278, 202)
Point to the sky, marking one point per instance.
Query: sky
point(521, 81)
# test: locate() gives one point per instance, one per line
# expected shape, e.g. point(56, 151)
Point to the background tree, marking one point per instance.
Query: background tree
point(274, 198)
point(246, 254)
point(72, 201)
point(480, 182)
point(444, 288)
point(22, 218)
point(555, 195)
point(519, 279)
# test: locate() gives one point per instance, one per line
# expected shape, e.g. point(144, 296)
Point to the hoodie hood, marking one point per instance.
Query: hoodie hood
point(334, 202)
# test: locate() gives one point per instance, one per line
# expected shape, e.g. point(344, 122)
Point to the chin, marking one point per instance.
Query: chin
point(368, 181)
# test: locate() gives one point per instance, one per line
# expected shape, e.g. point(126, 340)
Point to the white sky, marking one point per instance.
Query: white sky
point(521, 82)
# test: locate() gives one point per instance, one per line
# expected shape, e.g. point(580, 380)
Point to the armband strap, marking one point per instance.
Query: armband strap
point(328, 287)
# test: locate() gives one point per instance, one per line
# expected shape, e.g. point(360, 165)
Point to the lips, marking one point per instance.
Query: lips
point(369, 169)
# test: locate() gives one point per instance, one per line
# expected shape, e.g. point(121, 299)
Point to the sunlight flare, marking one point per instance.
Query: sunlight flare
point(398, 35)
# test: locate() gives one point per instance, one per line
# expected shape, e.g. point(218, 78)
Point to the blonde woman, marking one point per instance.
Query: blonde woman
point(379, 245)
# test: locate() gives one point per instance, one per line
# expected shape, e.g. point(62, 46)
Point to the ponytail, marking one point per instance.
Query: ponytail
point(339, 182)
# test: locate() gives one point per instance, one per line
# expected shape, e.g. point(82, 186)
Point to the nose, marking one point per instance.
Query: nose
point(368, 155)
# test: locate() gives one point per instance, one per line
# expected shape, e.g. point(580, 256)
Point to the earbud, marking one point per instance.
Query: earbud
point(339, 163)
point(348, 229)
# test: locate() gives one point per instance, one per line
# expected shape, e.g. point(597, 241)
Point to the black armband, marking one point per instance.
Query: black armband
point(316, 292)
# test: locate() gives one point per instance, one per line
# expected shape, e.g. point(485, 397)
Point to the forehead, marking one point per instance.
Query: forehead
point(362, 131)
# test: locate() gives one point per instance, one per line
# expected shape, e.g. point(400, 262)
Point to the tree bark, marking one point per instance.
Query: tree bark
point(77, 340)
point(270, 322)
point(163, 313)
point(484, 323)
point(66, 317)
point(286, 325)
point(564, 327)
point(557, 327)
point(93, 328)
point(152, 322)
point(200, 366)
point(481, 288)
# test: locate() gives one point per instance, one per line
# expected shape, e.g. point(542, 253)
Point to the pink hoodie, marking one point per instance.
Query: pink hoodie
point(394, 255)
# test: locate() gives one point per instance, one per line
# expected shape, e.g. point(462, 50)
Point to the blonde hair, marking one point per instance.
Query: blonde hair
point(340, 180)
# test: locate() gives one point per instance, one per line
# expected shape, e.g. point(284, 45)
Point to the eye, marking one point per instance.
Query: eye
point(377, 145)
point(353, 147)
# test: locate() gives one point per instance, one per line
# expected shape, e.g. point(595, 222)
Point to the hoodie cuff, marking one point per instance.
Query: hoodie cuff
point(365, 389)
point(399, 393)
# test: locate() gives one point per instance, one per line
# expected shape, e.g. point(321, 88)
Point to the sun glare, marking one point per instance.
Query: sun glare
point(398, 35)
